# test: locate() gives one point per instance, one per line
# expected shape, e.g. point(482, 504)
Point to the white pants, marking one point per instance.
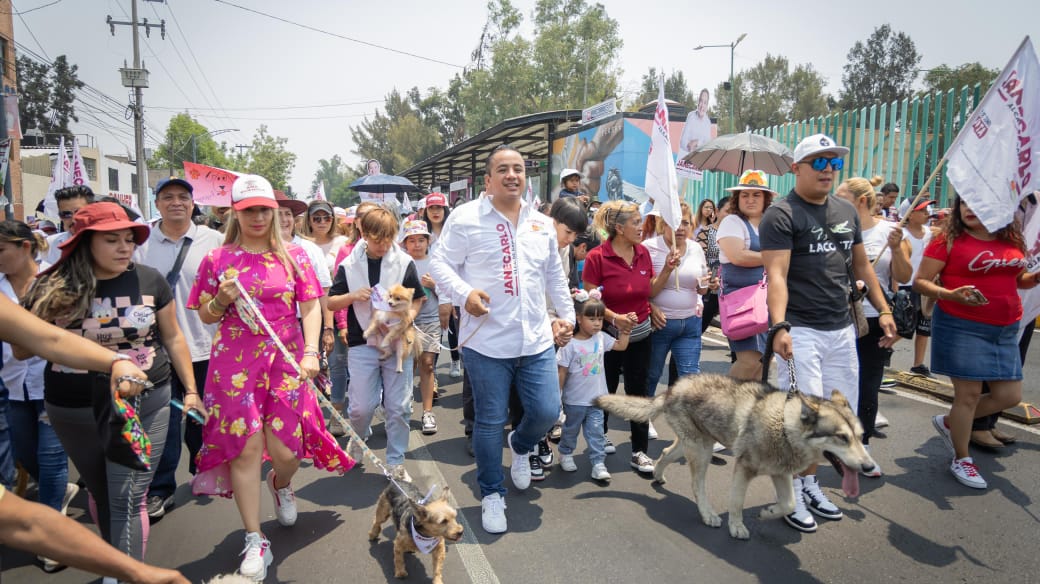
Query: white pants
point(823, 362)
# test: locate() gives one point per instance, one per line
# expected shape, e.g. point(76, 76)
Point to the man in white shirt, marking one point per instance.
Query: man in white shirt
point(498, 258)
point(177, 242)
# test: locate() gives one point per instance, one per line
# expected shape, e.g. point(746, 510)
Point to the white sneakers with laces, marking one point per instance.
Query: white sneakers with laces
point(284, 501)
point(599, 472)
point(257, 557)
point(567, 462)
point(456, 370)
point(800, 518)
point(519, 467)
point(429, 423)
point(817, 500)
point(493, 513)
point(641, 462)
point(967, 473)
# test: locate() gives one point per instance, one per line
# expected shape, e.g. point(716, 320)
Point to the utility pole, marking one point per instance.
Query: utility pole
point(137, 78)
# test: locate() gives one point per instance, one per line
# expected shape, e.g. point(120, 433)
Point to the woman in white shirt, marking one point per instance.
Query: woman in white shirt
point(678, 297)
point(741, 261)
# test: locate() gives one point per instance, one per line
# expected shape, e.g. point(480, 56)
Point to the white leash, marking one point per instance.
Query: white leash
point(440, 345)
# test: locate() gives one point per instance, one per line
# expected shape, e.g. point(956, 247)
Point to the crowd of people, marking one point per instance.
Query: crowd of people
point(243, 321)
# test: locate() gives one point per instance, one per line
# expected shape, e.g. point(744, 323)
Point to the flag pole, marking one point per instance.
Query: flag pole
point(913, 203)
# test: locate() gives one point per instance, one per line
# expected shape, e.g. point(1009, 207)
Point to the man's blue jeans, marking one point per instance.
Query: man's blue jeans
point(39, 450)
point(7, 472)
point(538, 384)
point(681, 336)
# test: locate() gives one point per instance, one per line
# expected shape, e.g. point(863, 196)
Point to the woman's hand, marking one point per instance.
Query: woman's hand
point(309, 367)
point(126, 369)
point(657, 318)
point(328, 339)
point(227, 293)
point(625, 322)
point(968, 295)
point(193, 402)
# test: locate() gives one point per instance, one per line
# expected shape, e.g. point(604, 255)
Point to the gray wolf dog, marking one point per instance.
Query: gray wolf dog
point(768, 432)
point(400, 338)
point(433, 519)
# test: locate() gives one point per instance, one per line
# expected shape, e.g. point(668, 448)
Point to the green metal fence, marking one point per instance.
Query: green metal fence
point(899, 141)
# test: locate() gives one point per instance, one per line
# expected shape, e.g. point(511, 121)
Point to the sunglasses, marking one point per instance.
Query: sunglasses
point(66, 214)
point(321, 218)
point(821, 163)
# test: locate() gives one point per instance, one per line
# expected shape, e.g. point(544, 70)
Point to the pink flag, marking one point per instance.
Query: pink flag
point(662, 184)
point(211, 185)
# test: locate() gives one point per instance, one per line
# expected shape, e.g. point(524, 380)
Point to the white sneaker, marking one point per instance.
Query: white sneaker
point(609, 447)
point(718, 447)
point(567, 462)
point(257, 558)
point(520, 466)
point(967, 473)
point(493, 513)
point(399, 473)
point(944, 431)
point(456, 371)
point(284, 501)
point(873, 473)
point(652, 432)
point(599, 472)
point(642, 462)
point(335, 428)
point(429, 423)
point(355, 450)
point(800, 518)
point(880, 421)
point(71, 490)
point(817, 500)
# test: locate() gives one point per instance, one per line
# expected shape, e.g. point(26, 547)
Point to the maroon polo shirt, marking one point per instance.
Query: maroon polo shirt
point(626, 288)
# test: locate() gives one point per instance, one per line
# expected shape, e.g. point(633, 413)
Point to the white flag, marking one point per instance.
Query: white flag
point(79, 170)
point(319, 192)
point(60, 178)
point(991, 163)
point(406, 206)
point(662, 185)
point(1028, 214)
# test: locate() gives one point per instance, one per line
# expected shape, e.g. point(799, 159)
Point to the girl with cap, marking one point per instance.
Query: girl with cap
point(741, 261)
point(323, 229)
point(96, 291)
point(261, 407)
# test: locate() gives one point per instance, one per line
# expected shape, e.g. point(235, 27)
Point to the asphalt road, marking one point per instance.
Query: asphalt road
point(914, 524)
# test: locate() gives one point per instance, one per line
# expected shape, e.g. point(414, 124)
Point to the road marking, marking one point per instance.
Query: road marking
point(470, 551)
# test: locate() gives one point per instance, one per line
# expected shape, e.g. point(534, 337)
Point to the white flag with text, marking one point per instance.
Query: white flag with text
point(662, 184)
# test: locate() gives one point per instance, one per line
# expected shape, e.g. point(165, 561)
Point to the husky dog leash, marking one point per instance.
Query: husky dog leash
point(769, 353)
point(259, 318)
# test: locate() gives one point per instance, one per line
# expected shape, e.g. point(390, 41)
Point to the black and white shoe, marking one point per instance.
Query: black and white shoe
point(816, 500)
point(545, 453)
point(537, 473)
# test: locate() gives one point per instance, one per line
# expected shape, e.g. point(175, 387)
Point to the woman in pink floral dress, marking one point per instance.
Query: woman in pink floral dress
point(260, 407)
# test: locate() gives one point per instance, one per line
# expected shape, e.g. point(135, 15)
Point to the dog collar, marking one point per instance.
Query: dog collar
point(423, 543)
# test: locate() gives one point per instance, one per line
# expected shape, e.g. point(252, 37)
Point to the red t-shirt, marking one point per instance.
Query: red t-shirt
point(625, 288)
point(992, 267)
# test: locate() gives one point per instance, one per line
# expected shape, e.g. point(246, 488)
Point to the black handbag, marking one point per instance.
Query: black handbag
point(119, 428)
point(903, 312)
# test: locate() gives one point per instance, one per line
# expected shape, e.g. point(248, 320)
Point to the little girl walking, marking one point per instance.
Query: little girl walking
point(580, 364)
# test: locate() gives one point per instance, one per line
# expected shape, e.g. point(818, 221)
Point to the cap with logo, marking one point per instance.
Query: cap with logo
point(251, 190)
point(436, 200)
point(818, 144)
point(162, 184)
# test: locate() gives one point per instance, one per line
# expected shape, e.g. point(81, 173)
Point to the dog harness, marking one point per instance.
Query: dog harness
point(424, 543)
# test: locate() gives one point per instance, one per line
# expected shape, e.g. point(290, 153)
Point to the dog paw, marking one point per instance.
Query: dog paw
point(401, 574)
point(739, 531)
point(711, 519)
point(659, 477)
point(771, 512)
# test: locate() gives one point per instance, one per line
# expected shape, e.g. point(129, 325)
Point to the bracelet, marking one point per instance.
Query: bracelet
point(310, 353)
point(328, 328)
point(884, 312)
point(210, 306)
point(191, 393)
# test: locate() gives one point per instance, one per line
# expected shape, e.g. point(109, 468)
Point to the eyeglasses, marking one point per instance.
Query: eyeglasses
point(321, 218)
point(66, 214)
point(819, 164)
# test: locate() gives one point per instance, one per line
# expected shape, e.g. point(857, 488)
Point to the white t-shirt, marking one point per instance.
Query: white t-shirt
point(875, 241)
point(916, 250)
point(331, 249)
point(583, 359)
point(733, 226)
point(684, 302)
point(319, 260)
point(23, 379)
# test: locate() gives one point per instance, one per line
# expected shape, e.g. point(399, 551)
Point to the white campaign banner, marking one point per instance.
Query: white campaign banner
point(662, 184)
point(61, 177)
point(991, 162)
point(79, 170)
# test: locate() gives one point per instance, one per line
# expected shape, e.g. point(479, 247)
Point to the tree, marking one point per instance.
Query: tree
point(268, 157)
point(944, 78)
point(187, 139)
point(330, 173)
point(770, 94)
point(675, 89)
point(880, 70)
point(65, 83)
point(34, 90)
point(411, 128)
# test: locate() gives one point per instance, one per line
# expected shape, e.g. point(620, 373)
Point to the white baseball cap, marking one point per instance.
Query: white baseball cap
point(568, 172)
point(818, 144)
point(251, 190)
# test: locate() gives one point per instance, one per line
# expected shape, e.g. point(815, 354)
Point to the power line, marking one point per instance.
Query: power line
point(339, 36)
point(340, 117)
point(31, 9)
point(26, 25)
point(275, 107)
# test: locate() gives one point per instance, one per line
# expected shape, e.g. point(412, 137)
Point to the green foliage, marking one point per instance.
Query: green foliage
point(47, 93)
point(944, 78)
point(336, 175)
point(187, 139)
point(771, 93)
point(268, 157)
point(880, 70)
point(675, 89)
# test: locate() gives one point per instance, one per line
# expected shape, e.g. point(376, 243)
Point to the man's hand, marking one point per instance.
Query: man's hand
point(782, 344)
point(562, 331)
point(476, 302)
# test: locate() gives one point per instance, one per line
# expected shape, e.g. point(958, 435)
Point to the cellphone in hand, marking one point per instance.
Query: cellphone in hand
point(192, 413)
point(978, 296)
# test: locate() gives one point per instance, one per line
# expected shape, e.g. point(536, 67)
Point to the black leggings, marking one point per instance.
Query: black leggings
point(872, 362)
point(634, 361)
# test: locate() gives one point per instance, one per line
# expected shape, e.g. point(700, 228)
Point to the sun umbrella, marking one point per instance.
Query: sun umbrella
point(735, 153)
point(383, 183)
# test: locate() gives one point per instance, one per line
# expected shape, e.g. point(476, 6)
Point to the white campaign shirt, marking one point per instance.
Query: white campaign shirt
point(518, 267)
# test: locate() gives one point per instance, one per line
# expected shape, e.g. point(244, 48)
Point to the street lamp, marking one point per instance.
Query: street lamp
point(732, 46)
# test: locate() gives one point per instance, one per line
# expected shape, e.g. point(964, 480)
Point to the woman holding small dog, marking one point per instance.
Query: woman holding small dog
point(977, 267)
point(260, 406)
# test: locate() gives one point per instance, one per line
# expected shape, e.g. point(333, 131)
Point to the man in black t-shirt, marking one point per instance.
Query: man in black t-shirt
point(806, 239)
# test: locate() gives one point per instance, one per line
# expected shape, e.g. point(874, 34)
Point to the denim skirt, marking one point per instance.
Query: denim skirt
point(972, 350)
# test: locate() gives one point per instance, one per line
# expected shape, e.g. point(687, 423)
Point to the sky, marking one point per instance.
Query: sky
point(235, 69)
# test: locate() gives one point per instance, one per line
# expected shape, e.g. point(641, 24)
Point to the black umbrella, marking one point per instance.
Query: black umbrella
point(383, 183)
point(735, 153)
